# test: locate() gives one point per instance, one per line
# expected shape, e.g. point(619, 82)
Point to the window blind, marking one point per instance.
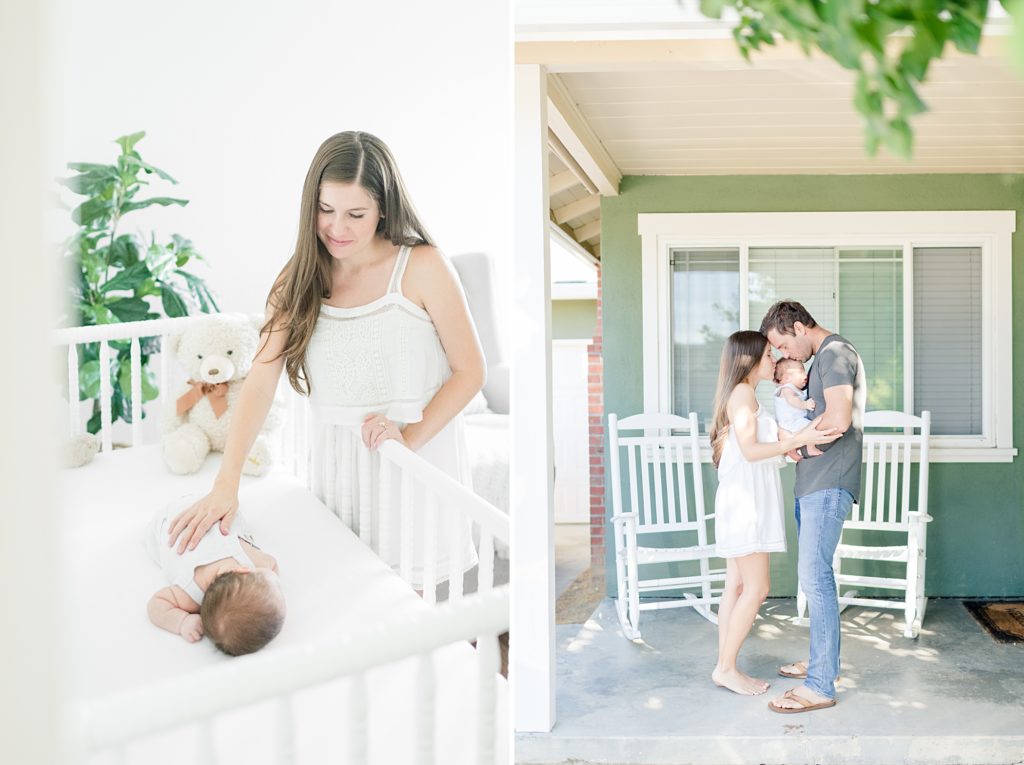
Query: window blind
point(947, 338)
point(705, 298)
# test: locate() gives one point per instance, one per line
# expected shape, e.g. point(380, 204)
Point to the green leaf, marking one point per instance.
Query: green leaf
point(149, 388)
point(131, 309)
point(713, 8)
point(129, 279)
point(134, 161)
point(90, 183)
point(197, 287)
point(102, 314)
point(900, 138)
point(162, 201)
point(124, 251)
point(174, 306)
point(91, 210)
point(89, 380)
point(127, 142)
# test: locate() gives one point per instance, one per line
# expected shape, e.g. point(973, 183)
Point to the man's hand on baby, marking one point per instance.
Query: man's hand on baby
point(191, 628)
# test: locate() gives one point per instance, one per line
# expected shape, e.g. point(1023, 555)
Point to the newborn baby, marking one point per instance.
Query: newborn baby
point(226, 588)
point(791, 402)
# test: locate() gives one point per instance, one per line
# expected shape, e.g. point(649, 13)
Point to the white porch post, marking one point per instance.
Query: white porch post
point(533, 562)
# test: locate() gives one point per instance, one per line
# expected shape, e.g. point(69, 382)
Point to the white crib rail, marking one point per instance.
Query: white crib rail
point(120, 718)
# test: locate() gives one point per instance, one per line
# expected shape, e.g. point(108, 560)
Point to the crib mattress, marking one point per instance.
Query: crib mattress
point(332, 583)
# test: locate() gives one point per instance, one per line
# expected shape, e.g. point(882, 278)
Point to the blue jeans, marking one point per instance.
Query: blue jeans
point(819, 522)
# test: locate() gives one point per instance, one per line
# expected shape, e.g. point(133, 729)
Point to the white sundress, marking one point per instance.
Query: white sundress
point(386, 358)
point(748, 504)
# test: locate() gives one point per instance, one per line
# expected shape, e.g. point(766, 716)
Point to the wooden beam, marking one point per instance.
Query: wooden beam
point(559, 150)
point(587, 231)
point(570, 126)
point(562, 181)
point(578, 208)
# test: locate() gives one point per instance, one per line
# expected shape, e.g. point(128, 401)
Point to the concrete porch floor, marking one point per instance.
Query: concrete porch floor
point(952, 696)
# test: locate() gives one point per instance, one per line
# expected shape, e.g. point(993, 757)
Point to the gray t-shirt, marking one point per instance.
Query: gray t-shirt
point(836, 363)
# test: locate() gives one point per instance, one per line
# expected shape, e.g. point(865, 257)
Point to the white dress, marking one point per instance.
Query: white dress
point(386, 358)
point(748, 504)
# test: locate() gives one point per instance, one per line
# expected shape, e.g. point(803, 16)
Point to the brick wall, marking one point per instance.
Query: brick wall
point(595, 390)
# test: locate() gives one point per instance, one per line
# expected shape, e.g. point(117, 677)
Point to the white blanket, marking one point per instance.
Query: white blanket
point(332, 582)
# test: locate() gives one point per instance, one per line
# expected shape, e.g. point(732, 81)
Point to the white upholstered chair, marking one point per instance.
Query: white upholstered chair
point(659, 517)
point(891, 517)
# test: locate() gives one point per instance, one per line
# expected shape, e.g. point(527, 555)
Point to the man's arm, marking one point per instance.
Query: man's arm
point(838, 411)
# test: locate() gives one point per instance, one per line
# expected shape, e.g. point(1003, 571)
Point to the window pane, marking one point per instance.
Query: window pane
point(871, 317)
point(947, 338)
point(804, 274)
point(705, 311)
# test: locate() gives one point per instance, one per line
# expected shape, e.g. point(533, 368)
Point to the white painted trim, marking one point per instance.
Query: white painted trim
point(574, 247)
point(990, 230)
point(579, 139)
point(563, 291)
point(531, 461)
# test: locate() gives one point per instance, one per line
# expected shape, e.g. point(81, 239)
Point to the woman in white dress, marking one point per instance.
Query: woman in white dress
point(369, 319)
point(748, 505)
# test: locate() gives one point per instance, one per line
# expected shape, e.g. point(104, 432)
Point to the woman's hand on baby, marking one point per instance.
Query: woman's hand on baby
point(377, 429)
point(809, 405)
point(191, 628)
point(191, 524)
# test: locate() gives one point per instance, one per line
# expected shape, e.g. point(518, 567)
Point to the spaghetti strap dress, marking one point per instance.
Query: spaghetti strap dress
point(748, 504)
point(385, 358)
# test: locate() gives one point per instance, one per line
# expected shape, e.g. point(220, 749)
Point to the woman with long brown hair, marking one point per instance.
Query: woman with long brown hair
point(748, 505)
point(369, 319)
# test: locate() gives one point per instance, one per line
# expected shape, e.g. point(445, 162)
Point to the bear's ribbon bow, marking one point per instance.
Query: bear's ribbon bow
point(216, 392)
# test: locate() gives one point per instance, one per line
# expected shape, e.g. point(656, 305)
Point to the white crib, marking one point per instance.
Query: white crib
point(392, 678)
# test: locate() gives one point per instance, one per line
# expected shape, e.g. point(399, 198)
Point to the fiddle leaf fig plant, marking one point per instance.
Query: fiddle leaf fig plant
point(122, 276)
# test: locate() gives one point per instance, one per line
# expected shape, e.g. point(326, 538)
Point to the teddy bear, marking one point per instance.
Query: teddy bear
point(216, 352)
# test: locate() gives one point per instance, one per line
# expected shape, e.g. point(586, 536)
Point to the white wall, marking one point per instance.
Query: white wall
point(236, 97)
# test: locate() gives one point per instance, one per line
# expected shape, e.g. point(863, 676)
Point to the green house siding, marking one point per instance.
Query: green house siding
point(976, 544)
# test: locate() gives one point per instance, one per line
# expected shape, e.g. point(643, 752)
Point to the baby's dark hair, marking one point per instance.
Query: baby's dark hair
point(782, 365)
point(241, 612)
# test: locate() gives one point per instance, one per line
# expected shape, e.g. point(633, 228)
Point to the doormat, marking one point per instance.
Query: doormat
point(1003, 620)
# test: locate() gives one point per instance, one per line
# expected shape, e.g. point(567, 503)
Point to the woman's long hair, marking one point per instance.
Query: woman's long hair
point(305, 281)
point(740, 356)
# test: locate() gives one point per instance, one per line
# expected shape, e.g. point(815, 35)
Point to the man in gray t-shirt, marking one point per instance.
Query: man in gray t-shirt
point(826, 488)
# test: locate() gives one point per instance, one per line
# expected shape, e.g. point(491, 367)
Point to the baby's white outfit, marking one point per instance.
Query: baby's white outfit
point(748, 504)
point(180, 569)
point(384, 358)
point(789, 417)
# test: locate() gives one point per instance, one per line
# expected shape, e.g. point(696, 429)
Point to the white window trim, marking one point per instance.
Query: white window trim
point(990, 230)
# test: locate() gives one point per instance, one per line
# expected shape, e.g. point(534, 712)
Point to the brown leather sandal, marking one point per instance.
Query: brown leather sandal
point(806, 705)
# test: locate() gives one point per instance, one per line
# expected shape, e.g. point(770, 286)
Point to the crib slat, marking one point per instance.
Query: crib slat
point(385, 509)
point(344, 488)
point(406, 540)
point(359, 734)
point(329, 469)
point(163, 371)
point(454, 523)
point(424, 754)
point(207, 754)
point(284, 743)
point(486, 577)
point(365, 494)
point(136, 365)
point(430, 549)
point(105, 394)
point(488, 653)
point(73, 419)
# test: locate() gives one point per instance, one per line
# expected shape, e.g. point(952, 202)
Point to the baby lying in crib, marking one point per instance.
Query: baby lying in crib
point(226, 588)
point(791, 402)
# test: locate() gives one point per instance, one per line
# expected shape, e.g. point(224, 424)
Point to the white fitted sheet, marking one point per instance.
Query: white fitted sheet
point(332, 582)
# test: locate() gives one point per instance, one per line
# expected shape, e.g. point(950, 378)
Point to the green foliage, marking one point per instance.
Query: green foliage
point(890, 44)
point(121, 277)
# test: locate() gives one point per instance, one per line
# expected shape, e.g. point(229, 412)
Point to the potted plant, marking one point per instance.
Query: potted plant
point(121, 276)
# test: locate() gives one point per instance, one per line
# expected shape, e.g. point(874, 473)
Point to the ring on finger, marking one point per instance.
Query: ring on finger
point(383, 425)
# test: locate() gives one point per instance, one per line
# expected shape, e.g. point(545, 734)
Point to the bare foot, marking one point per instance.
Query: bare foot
point(782, 702)
point(738, 682)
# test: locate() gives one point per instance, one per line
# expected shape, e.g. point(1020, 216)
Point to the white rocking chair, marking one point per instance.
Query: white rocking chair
point(666, 496)
point(885, 506)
